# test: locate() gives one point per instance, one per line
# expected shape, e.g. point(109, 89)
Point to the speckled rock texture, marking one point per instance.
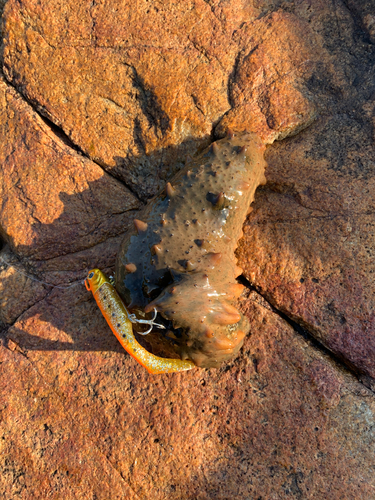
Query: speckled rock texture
point(137, 88)
point(101, 103)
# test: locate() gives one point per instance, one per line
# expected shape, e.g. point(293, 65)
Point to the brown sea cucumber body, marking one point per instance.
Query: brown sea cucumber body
point(180, 258)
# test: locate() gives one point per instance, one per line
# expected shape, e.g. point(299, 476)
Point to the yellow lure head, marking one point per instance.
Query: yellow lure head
point(95, 279)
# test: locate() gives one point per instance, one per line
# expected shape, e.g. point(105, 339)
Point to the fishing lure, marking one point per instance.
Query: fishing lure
point(120, 322)
point(180, 258)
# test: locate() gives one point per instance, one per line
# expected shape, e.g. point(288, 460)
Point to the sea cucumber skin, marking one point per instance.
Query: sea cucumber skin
point(180, 258)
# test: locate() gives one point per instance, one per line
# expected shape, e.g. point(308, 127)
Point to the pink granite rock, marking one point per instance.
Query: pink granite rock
point(101, 104)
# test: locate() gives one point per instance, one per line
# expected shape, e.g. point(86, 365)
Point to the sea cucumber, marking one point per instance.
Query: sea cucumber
point(117, 317)
point(180, 257)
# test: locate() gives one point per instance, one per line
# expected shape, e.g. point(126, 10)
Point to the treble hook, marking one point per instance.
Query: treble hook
point(133, 318)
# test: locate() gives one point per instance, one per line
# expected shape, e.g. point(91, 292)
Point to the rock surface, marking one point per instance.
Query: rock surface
point(100, 104)
point(138, 89)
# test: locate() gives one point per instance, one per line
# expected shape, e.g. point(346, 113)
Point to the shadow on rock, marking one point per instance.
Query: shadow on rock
point(42, 293)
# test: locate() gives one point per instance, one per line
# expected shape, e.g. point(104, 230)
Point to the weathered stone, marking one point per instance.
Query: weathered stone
point(309, 245)
point(137, 89)
point(18, 291)
point(280, 421)
point(266, 89)
point(42, 453)
point(54, 203)
point(133, 88)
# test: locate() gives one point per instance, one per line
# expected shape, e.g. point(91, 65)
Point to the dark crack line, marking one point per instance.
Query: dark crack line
point(30, 260)
point(212, 8)
point(232, 77)
point(45, 283)
point(93, 25)
point(58, 131)
point(312, 341)
point(4, 333)
point(4, 328)
point(6, 336)
point(120, 180)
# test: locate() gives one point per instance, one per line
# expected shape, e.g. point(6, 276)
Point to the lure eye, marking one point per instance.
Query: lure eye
point(91, 275)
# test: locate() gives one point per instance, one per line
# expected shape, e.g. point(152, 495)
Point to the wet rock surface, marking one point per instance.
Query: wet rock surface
point(100, 105)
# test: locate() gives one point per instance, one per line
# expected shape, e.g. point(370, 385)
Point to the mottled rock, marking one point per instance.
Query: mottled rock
point(267, 90)
point(18, 291)
point(55, 204)
point(54, 201)
point(136, 89)
point(281, 421)
point(131, 88)
point(42, 452)
point(309, 245)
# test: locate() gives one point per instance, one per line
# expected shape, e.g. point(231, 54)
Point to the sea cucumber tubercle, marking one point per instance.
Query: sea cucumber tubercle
point(180, 257)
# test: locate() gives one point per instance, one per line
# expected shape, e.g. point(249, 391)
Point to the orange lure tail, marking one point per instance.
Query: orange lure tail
point(116, 315)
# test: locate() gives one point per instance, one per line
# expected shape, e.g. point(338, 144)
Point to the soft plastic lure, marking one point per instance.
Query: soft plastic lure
point(118, 319)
